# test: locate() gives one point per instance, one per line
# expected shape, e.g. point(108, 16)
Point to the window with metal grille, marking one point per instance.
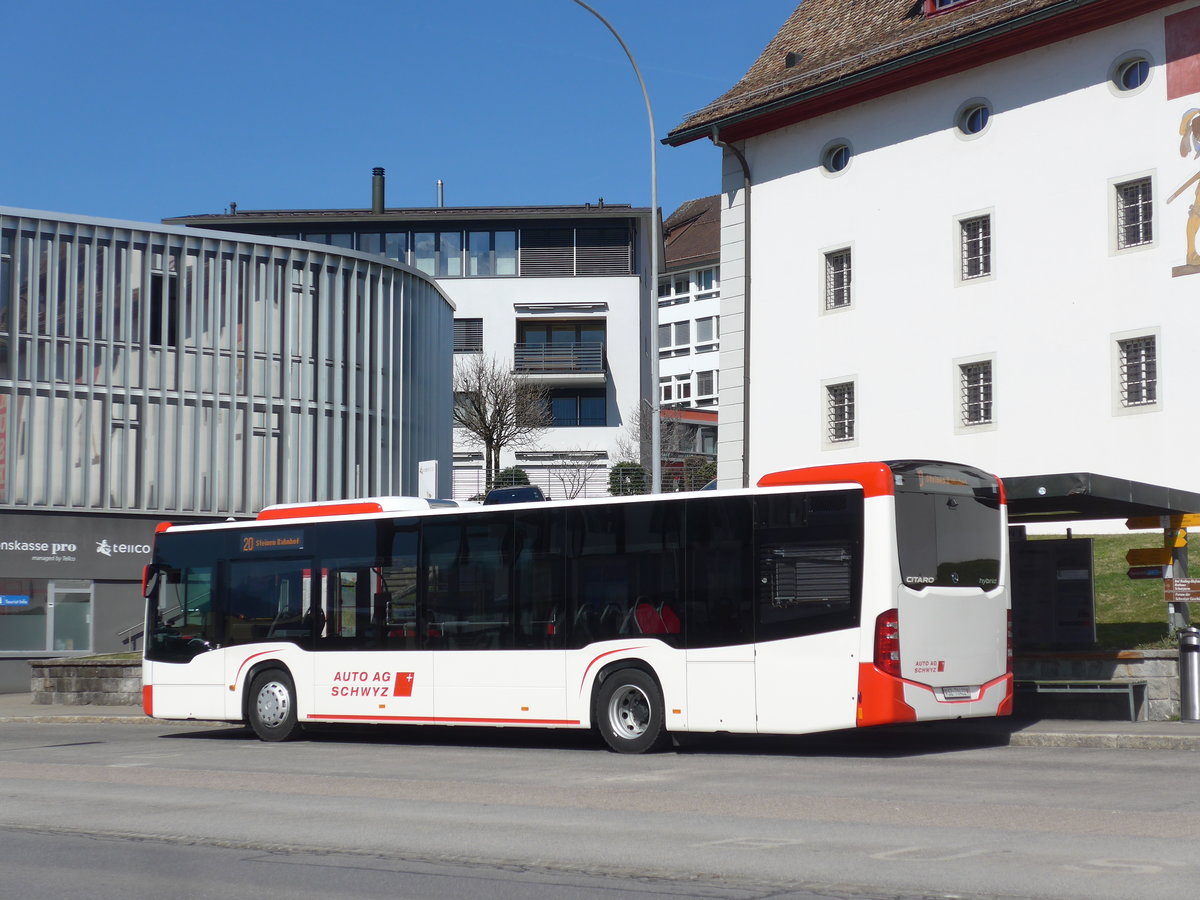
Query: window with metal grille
point(975, 380)
point(837, 279)
point(840, 412)
point(1135, 213)
point(976, 247)
point(468, 335)
point(1139, 371)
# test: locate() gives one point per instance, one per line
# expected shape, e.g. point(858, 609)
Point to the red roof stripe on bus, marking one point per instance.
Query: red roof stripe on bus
point(328, 509)
point(161, 527)
point(875, 478)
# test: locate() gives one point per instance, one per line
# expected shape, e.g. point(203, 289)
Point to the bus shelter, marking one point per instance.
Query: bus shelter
point(1053, 580)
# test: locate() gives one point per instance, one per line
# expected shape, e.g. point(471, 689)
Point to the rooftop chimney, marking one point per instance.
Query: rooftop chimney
point(377, 190)
point(441, 195)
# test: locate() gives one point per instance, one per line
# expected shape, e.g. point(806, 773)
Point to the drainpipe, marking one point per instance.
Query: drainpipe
point(715, 137)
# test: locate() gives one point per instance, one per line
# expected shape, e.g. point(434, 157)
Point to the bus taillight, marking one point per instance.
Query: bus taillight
point(887, 642)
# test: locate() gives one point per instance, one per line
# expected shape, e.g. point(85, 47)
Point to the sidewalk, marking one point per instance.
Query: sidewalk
point(1081, 733)
point(21, 708)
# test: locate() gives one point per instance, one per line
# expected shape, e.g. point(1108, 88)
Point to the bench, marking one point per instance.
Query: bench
point(1134, 690)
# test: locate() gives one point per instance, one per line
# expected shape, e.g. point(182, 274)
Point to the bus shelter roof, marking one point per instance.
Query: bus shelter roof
point(1075, 496)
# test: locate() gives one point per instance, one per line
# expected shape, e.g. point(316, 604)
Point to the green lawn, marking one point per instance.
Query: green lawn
point(1130, 614)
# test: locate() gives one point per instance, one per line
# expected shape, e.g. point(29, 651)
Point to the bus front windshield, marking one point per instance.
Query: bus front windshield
point(948, 526)
point(179, 617)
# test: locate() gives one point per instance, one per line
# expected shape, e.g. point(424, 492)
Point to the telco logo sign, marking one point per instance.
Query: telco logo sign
point(106, 549)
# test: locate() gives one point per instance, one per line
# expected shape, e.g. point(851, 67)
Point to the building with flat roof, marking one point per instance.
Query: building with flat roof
point(555, 294)
point(152, 373)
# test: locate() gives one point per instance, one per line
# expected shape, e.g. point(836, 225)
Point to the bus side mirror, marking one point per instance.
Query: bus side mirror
point(150, 578)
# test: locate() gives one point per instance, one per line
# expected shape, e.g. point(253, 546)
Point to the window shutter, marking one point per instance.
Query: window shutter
point(468, 335)
point(603, 251)
point(547, 251)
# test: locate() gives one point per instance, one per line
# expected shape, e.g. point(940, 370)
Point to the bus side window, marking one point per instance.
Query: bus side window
point(809, 565)
point(467, 565)
point(625, 556)
point(538, 586)
point(719, 572)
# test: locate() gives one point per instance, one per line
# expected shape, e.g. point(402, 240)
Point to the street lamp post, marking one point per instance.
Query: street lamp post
point(655, 240)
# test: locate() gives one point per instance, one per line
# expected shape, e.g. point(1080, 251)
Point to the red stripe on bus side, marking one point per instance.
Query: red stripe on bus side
point(600, 657)
point(875, 478)
point(462, 720)
point(238, 676)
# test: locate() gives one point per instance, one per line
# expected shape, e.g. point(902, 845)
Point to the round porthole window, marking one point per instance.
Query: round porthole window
point(836, 157)
point(974, 118)
point(1132, 73)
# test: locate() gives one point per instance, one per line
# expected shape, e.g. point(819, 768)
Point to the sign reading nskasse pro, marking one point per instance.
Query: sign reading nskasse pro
point(36, 546)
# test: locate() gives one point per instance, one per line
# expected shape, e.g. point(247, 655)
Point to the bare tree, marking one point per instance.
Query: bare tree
point(577, 470)
point(497, 408)
point(676, 439)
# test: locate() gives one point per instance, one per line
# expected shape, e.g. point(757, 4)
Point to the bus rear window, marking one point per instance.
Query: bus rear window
point(948, 525)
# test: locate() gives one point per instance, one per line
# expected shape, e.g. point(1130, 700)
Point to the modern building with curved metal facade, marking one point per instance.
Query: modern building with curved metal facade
point(151, 372)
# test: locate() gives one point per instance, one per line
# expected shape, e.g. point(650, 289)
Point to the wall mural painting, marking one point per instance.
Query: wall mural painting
point(1189, 129)
point(1183, 78)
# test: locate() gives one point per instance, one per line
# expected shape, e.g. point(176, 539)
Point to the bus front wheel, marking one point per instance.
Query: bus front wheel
point(272, 706)
point(629, 712)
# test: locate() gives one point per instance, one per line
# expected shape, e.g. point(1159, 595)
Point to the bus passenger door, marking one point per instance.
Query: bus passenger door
point(368, 665)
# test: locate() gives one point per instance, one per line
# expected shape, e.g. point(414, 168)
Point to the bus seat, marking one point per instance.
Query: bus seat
point(648, 619)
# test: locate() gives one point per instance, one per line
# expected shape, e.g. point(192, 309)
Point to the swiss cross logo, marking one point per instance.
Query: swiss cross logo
point(403, 684)
point(941, 665)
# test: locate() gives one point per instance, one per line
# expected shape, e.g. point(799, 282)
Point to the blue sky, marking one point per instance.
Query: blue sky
point(143, 109)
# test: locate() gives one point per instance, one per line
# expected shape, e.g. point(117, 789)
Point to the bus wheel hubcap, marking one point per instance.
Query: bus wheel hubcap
point(273, 704)
point(629, 712)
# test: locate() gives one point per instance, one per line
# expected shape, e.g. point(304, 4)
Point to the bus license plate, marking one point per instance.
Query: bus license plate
point(957, 693)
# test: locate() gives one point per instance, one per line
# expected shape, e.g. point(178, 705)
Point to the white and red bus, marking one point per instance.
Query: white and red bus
point(824, 598)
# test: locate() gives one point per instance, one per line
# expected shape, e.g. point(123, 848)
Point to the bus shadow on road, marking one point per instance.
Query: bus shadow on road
point(869, 743)
point(894, 741)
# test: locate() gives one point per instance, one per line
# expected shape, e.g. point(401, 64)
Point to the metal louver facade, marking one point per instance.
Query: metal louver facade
point(566, 251)
point(156, 369)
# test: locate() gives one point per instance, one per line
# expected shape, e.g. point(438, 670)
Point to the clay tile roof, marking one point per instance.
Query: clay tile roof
point(693, 232)
point(826, 43)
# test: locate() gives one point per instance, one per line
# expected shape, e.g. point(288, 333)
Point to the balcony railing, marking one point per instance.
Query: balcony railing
point(584, 358)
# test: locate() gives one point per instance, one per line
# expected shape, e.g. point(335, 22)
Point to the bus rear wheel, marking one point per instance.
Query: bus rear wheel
point(629, 713)
point(272, 706)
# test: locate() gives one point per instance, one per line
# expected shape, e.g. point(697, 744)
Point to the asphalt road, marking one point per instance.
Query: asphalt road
point(161, 811)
